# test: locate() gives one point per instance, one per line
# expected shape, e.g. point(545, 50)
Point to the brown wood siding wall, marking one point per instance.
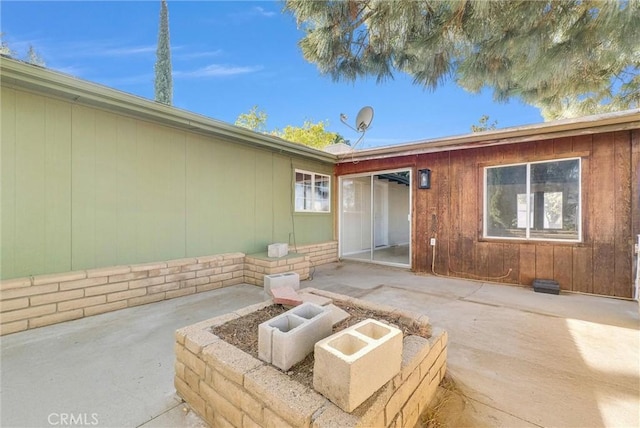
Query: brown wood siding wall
point(451, 212)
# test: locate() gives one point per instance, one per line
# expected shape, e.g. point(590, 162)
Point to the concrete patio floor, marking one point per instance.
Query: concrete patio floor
point(518, 358)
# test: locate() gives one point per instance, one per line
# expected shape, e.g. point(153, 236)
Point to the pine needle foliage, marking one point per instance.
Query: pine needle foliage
point(163, 76)
point(567, 57)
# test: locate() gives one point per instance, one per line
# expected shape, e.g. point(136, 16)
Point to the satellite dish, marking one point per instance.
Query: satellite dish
point(363, 121)
point(364, 118)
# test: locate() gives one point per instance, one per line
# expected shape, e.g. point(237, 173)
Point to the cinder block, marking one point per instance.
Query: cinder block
point(313, 298)
point(337, 314)
point(354, 363)
point(287, 279)
point(278, 250)
point(288, 338)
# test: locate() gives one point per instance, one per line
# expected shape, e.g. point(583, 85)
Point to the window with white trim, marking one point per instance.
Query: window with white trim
point(536, 200)
point(313, 192)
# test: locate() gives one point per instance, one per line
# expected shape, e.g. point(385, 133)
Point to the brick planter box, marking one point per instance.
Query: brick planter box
point(227, 386)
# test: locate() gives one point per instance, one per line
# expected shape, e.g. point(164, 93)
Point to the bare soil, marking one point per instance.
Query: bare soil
point(243, 333)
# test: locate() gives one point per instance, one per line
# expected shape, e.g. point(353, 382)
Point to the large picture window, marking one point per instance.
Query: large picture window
point(313, 192)
point(537, 200)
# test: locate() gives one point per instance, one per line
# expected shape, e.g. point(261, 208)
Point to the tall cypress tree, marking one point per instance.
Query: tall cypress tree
point(163, 82)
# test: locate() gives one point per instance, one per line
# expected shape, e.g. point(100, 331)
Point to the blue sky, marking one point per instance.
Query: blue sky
point(228, 56)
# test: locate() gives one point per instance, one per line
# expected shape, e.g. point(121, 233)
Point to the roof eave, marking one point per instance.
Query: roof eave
point(17, 74)
point(610, 122)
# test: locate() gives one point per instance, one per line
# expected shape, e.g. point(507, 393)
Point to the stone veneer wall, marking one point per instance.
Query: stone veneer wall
point(37, 301)
point(48, 299)
point(300, 261)
point(256, 266)
point(319, 254)
point(228, 387)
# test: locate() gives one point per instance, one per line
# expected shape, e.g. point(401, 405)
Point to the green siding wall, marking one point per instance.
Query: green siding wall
point(84, 188)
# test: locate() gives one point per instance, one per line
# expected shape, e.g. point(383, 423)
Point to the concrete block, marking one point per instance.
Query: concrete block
point(252, 407)
point(337, 314)
point(313, 298)
point(230, 361)
point(190, 396)
point(277, 250)
point(290, 400)
point(231, 391)
point(286, 279)
point(354, 363)
point(288, 338)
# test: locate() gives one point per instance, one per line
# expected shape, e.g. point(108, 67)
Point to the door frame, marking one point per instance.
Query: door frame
point(339, 213)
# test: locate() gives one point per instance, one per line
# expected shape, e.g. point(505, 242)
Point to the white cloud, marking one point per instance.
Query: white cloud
point(257, 10)
point(101, 48)
point(216, 70)
point(197, 55)
point(73, 70)
point(115, 82)
point(127, 50)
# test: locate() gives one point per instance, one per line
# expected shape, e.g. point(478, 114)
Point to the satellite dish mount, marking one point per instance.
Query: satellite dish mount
point(363, 122)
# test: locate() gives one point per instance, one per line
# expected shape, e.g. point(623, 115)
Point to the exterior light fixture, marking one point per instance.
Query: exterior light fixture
point(424, 177)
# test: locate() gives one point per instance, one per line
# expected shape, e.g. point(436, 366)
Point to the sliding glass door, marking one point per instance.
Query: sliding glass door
point(375, 217)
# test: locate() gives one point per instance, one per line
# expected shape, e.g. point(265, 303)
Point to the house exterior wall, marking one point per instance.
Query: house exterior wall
point(451, 211)
point(85, 188)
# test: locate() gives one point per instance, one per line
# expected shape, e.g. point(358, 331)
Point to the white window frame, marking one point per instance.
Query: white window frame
point(313, 175)
point(528, 236)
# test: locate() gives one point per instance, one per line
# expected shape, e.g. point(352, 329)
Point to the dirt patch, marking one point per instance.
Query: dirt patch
point(447, 408)
point(243, 332)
